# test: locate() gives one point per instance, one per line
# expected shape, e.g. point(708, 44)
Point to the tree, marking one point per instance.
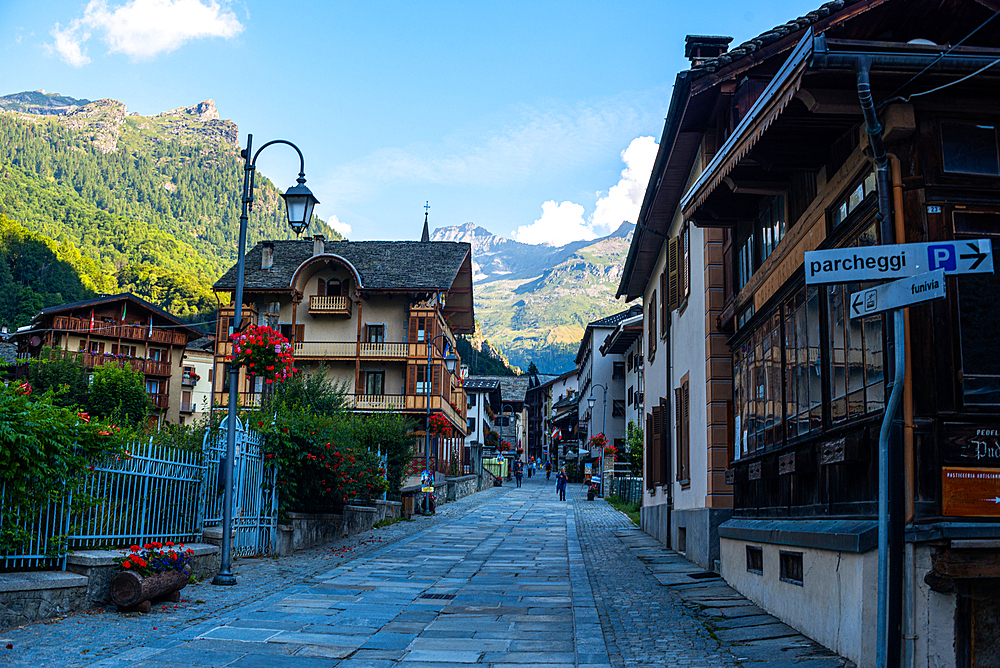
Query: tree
point(633, 447)
point(119, 394)
point(61, 373)
point(532, 369)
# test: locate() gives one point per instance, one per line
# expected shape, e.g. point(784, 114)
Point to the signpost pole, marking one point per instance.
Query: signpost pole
point(885, 474)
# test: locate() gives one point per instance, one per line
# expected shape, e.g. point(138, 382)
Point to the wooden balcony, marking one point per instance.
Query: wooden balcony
point(348, 350)
point(329, 305)
point(376, 402)
point(160, 401)
point(106, 330)
point(94, 360)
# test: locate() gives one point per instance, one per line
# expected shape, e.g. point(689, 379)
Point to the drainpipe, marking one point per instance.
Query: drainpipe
point(909, 572)
point(890, 566)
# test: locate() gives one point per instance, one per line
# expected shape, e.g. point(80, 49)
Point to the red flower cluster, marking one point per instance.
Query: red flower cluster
point(438, 424)
point(263, 352)
point(153, 558)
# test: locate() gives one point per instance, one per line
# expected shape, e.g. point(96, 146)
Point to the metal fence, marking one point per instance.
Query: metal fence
point(159, 493)
point(626, 488)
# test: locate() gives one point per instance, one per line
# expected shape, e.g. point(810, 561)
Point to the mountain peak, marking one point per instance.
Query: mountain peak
point(203, 111)
point(41, 103)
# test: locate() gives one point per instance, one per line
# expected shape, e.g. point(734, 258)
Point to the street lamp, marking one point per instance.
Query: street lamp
point(299, 204)
point(450, 363)
point(604, 424)
point(510, 473)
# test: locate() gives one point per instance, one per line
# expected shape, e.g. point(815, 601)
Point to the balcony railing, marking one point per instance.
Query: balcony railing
point(118, 331)
point(377, 402)
point(159, 400)
point(188, 407)
point(329, 304)
point(189, 380)
point(339, 349)
point(94, 360)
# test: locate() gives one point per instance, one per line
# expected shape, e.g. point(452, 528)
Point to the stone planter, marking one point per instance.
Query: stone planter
point(133, 591)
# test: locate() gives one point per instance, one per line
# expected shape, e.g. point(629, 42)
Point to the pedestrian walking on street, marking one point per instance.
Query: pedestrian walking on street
point(518, 471)
point(561, 479)
point(548, 469)
point(531, 466)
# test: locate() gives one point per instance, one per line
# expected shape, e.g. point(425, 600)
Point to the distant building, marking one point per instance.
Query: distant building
point(123, 330)
point(625, 342)
point(536, 401)
point(196, 379)
point(367, 312)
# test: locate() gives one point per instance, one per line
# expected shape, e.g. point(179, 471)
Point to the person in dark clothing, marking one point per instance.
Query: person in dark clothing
point(548, 469)
point(561, 479)
point(518, 471)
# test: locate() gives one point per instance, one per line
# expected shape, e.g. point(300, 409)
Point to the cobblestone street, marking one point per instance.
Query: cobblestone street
point(503, 577)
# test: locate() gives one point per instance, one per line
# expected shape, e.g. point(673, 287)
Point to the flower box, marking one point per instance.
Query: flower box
point(132, 590)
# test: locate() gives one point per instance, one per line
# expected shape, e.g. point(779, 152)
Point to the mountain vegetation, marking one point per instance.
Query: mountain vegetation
point(482, 358)
point(126, 202)
point(534, 302)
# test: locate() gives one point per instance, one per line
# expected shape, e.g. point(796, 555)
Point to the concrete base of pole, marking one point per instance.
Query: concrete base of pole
point(224, 579)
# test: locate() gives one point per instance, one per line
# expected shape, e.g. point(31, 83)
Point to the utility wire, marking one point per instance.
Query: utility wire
point(892, 97)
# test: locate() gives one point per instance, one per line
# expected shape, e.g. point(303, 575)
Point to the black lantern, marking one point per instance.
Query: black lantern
point(299, 204)
point(451, 361)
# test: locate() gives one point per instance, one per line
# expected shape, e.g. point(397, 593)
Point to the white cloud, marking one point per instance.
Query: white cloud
point(563, 223)
point(143, 29)
point(559, 224)
point(343, 229)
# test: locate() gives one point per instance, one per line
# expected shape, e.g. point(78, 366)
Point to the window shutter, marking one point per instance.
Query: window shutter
point(673, 273)
point(300, 332)
point(648, 456)
point(678, 431)
point(652, 328)
point(664, 311)
point(664, 458)
point(656, 449)
point(321, 288)
point(413, 330)
point(436, 387)
point(686, 442)
point(411, 385)
point(685, 262)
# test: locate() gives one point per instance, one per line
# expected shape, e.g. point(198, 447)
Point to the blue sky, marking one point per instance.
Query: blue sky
point(536, 120)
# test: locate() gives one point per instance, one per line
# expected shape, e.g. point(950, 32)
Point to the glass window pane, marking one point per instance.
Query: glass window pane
point(969, 149)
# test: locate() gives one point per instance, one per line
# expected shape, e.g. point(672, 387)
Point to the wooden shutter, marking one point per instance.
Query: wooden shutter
point(673, 273)
point(685, 264)
point(655, 449)
point(321, 287)
point(411, 383)
point(652, 329)
point(686, 445)
point(413, 330)
point(664, 311)
point(436, 387)
point(678, 428)
point(300, 332)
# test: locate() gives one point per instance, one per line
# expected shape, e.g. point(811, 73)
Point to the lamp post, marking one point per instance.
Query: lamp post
point(604, 424)
point(299, 204)
point(510, 473)
point(450, 362)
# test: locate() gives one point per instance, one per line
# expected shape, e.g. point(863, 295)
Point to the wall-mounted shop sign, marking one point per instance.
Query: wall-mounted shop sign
point(965, 444)
point(970, 492)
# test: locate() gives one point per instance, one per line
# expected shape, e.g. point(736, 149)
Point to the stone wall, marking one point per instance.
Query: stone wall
point(462, 486)
point(26, 597)
point(306, 530)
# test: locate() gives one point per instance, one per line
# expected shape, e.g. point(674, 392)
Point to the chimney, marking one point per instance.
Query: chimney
point(699, 48)
point(267, 255)
point(319, 245)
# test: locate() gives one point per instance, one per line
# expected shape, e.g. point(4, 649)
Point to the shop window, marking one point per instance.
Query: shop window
point(970, 148)
point(979, 316)
point(755, 560)
point(790, 564)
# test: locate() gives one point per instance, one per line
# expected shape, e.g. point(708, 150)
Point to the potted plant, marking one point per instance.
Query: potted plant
point(155, 570)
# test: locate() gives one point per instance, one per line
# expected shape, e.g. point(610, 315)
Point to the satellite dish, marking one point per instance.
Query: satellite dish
point(35, 341)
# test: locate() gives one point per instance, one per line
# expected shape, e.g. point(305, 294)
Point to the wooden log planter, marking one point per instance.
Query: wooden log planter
point(131, 591)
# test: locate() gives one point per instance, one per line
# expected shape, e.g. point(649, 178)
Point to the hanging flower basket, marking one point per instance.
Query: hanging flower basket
point(263, 352)
point(438, 425)
point(598, 441)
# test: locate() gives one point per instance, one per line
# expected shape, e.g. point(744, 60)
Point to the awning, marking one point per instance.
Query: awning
point(769, 105)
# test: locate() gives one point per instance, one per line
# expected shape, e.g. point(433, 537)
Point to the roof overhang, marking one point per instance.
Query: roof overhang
point(772, 101)
point(324, 259)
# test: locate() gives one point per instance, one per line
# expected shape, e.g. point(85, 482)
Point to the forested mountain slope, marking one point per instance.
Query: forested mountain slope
point(144, 204)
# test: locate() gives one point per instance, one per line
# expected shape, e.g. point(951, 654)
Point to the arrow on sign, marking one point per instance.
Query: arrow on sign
point(979, 257)
point(993, 500)
point(857, 302)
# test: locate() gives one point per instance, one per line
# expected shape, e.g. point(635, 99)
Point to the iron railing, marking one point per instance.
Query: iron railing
point(151, 495)
point(626, 488)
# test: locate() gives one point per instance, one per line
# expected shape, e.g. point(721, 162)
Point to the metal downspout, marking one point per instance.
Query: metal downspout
point(889, 456)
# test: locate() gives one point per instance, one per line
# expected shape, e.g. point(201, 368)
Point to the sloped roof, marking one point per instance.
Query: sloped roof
point(512, 388)
point(607, 322)
point(383, 265)
point(125, 296)
point(481, 384)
